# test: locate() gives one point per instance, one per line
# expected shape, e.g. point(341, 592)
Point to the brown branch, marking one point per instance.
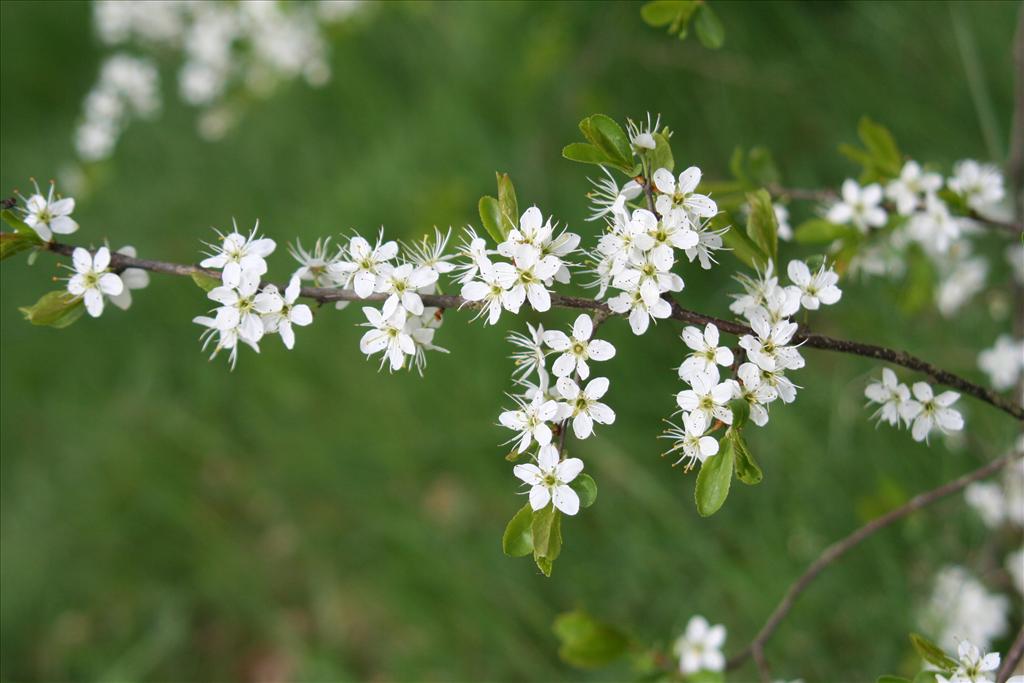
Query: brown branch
point(1012, 659)
point(840, 548)
point(119, 262)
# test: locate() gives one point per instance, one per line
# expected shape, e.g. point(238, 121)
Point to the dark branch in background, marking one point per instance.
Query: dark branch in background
point(818, 341)
point(1014, 227)
point(840, 548)
point(1012, 659)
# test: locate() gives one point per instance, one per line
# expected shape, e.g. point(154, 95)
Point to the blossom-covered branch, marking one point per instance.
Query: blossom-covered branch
point(447, 301)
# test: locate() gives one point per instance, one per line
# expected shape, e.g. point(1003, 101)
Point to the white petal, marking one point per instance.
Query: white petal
point(568, 469)
point(582, 426)
point(566, 500)
point(596, 388)
point(82, 260)
point(93, 302)
point(600, 350)
point(557, 340)
point(110, 284)
point(539, 497)
point(583, 327)
point(101, 259)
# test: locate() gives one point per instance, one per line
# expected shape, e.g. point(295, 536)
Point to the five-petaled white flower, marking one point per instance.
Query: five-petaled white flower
point(1004, 362)
point(710, 398)
point(980, 184)
point(577, 349)
point(707, 354)
point(47, 216)
point(700, 647)
point(92, 279)
point(237, 253)
point(491, 289)
point(583, 406)
point(691, 440)
point(641, 136)
point(859, 206)
point(290, 313)
point(640, 313)
point(402, 285)
point(365, 264)
point(132, 278)
point(242, 307)
point(912, 185)
point(388, 335)
point(929, 411)
point(549, 480)
point(527, 280)
point(891, 396)
point(530, 420)
point(769, 348)
point(972, 667)
point(817, 288)
point(683, 193)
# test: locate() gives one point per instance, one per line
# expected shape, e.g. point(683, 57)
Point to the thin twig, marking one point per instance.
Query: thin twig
point(840, 548)
point(810, 339)
point(1012, 659)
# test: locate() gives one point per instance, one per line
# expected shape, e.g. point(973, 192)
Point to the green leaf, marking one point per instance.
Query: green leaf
point(586, 488)
point(892, 679)
point(708, 28)
point(607, 135)
point(820, 231)
point(54, 309)
point(740, 413)
point(587, 642)
point(713, 480)
point(747, 469)
point(932, 653)
point(761, 165)
point(762, 225)
point(881, 145)
point(585, 153)
point(12, 219)
point(490, 216)
point(744, 248)
point(507, 204)
point(547, 537)
point(12, 243)
point(926, 677)
point(661, 155)
point(204, 281)
point(660, 13)
point(737, 165)
point(517, 541)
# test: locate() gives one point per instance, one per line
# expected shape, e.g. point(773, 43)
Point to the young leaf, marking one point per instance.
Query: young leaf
point(54, 309)
point(586, 488)
point(607, 135)
point(932, 653)
point(517, 540)
point(660, 13)
point(819, 231)
point(490, 216)
point(747, 469)
point(507, 204)
point(708, 27)
point(547, 537)
point(12, 219)
point(881, 145)
point(204, 281)
point(661, 155)
point(587, 642)
point(762, 225)
point(12, 243)
point(744, 248)
point(585, 153)
point(713, 480)
point(740, 413)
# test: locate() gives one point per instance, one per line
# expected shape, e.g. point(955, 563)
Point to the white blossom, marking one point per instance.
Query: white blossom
point(243, 306)
point(364, 265)
point(1004, 362)
point(927, 412)
point(530, 421)
point(92, 279)
point(782, 218)
point(607, 194)
point(640, 313)
point(641, 136)
point(859, 206)
point(387, 335)
point(981, 185)
point(891, 397)
point(530, 357)
point(961, 608)
point(402, 285)
point(549, 480)
point(700, 647)
point(769, 349)
point(710, 398)
point(492, 290)
point(429, 253)
point(817, 288)
point(683, 193)
point(237, 253)
point(973, 667)
point(934, 226)
point(314, 263)
point(912, 185)
point(691, 439)
point(988, 501)
point(708, 242)
point(707, 354)
point(131, 278)
point(584, 406)
point(280, 320)
point(577, 349)
point(48, 215)
point(759, 391)
point(527, 280)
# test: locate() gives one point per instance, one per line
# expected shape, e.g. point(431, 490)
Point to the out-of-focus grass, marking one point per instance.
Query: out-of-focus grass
point(306, 517)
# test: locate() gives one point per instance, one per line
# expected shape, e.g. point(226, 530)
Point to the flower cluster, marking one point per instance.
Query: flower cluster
point(127, 87)
point(918, 213)
point(537, 253)
point(636, 254)
point(249, 310)
point(922, 412)
point(543, 410)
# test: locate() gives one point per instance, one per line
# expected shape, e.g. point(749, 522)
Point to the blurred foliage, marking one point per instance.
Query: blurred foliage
point(307, 518)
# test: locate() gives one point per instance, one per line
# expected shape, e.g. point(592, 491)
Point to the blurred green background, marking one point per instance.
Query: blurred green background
point(307, 518)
